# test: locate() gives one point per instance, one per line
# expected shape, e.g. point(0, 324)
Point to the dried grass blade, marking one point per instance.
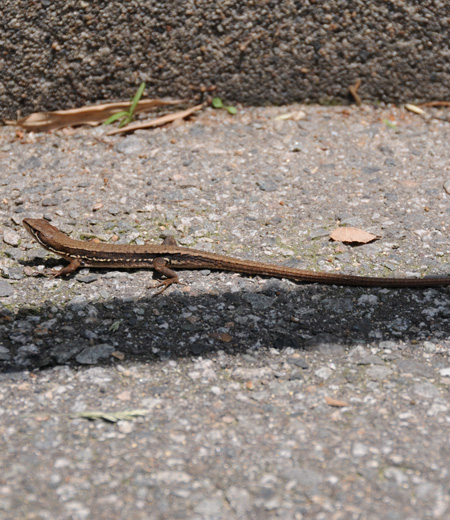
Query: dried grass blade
point(156, 122)
point(90, 115)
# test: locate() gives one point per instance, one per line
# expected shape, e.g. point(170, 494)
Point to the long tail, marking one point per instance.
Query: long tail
point(303, 275)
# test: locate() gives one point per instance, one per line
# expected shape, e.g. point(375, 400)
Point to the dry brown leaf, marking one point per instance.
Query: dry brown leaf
point(91, 115)
point(353, 235)
point(436, 104)
point(156, 122)
point(335, 402)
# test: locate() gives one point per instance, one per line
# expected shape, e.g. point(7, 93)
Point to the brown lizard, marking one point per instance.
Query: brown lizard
point(162, 258)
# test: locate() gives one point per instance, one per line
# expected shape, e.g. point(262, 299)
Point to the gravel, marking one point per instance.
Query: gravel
point(247, 398)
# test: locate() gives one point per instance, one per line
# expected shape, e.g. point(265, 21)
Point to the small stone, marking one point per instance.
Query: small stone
point(429, 347)
point(368, 299)
point(359, 449)
point(400, 324)
point(124, 396)
point(298, 362)
point(25, 353)
point(10, 237)
point(125, 426)
point(357, 353)
point(437, 408)
point(371, 359)
point(447, 186)
point(396, 474)
point(209, 508)
point(4, 354)
point(318, 233)
point(31, 163)
point(92, 355)
point(87, 278)
point(426, 390)
point(130, 145)
point(5, 288)
point(296, 376)
point(258, 301)
point(15, 273)
point(239, 500)
point(62, 354)
point(377, 373)
point(324, 372)
point(267, 185)
point(50, 201)
point(445, 372)
point(114, 210)
point(391, 345)
point(417, 368)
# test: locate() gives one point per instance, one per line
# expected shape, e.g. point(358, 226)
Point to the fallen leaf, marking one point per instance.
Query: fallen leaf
point(335, 402)
point(91, 115)
point(352, 235)
point(157, 122)
point(415, 109)
point(294, 116)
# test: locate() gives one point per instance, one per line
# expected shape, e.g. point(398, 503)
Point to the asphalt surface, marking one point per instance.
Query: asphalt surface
point(235, 397)
point(61, 54)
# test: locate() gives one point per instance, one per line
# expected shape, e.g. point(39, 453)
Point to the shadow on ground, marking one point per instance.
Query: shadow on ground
point(179, 324)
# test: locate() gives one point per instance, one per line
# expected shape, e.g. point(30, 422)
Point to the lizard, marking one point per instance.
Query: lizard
point(168, 256)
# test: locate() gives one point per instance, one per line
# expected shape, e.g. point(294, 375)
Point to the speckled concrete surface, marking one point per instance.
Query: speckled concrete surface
point(58, 54)
point(263, 399)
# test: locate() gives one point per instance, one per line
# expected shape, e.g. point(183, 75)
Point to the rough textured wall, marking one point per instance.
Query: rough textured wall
point(59, 54)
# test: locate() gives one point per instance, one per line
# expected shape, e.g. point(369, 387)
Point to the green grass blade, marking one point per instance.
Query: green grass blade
point(136, 99)
point(126, 120)
point(115, 117)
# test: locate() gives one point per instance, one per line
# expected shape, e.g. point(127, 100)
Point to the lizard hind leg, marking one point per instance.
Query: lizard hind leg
point(160, 266)
point(73, 266)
